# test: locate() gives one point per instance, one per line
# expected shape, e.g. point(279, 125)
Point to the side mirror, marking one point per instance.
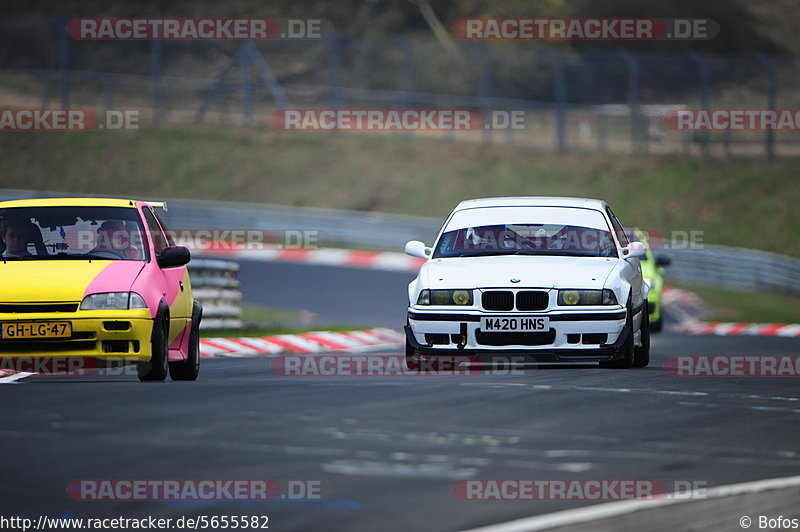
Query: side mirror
point(173, 257)
point(663, 261)
point(635, 250)
point(415, 248)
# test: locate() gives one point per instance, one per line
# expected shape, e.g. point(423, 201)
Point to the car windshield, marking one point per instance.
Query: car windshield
point(526, 230)
point(72, 233)
point(526, 239)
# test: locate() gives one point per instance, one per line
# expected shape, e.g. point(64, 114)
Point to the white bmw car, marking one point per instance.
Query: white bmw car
point(547, 279)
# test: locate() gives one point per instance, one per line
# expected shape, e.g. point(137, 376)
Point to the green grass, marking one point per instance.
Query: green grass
point(263, 320)
point(739, 306)
point(740, 202)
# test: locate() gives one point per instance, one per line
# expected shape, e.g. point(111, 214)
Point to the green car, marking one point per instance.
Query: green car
point(653, 273)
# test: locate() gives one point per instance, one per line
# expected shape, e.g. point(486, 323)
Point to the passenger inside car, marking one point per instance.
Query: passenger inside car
point(113, 236)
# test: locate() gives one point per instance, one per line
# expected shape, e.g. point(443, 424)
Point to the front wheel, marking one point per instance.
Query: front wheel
point(627, 349)
point(155, 369)
point(641, 355)
point(412, 358)
point(187, 370)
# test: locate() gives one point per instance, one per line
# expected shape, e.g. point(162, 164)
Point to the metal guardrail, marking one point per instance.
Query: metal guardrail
point(215, 286)
point(329, 227)
point(737, 268)
point(724, 266)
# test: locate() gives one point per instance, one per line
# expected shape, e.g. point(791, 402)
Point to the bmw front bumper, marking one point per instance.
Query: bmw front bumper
point(576, 336)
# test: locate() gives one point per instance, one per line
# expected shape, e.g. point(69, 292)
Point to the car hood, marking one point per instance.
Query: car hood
point(533, 272)
point(35, 281)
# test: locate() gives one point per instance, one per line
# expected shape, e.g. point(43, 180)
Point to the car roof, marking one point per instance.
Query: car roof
point(533, 201)
point(69, 202)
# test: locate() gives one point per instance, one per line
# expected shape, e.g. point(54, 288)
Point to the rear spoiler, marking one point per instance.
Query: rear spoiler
point(158, 204)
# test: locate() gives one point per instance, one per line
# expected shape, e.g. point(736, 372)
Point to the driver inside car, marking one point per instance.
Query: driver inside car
point(17, 234)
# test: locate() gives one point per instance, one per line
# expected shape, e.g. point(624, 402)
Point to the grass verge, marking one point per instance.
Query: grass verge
point(263, 320)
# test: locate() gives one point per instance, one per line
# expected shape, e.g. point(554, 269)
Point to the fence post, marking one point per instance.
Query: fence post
point(216, 90)
point(108, 90)
point(408, 72)
point(560, 95)
point(633, 98)
point(45, 91)
point(262, 69)
point(771, 97)
point(63, 66)
point(155, 65)
point(335, 66)
point(602, 132)
point(704, 94)
point(485, 87)
point(245, 61)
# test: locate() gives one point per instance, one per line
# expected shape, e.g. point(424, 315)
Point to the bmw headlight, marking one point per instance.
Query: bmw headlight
point(113, 301)
point(586, 297)
point(445, 297)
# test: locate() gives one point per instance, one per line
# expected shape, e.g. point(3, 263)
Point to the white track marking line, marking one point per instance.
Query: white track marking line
point(756, 408)
point(613, 509)
point(556, 387)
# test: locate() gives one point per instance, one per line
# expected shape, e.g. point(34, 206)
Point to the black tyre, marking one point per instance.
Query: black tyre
point(657, 325)
point(627, 350)
point(155, 369)
point(412, 358)
point(187, 370)
point(641, 355)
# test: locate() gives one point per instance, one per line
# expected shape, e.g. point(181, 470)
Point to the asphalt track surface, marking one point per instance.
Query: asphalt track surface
point(338, 295)
point(388, 451)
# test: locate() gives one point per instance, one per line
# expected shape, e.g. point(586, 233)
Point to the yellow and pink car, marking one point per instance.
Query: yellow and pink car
point(96, 279)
